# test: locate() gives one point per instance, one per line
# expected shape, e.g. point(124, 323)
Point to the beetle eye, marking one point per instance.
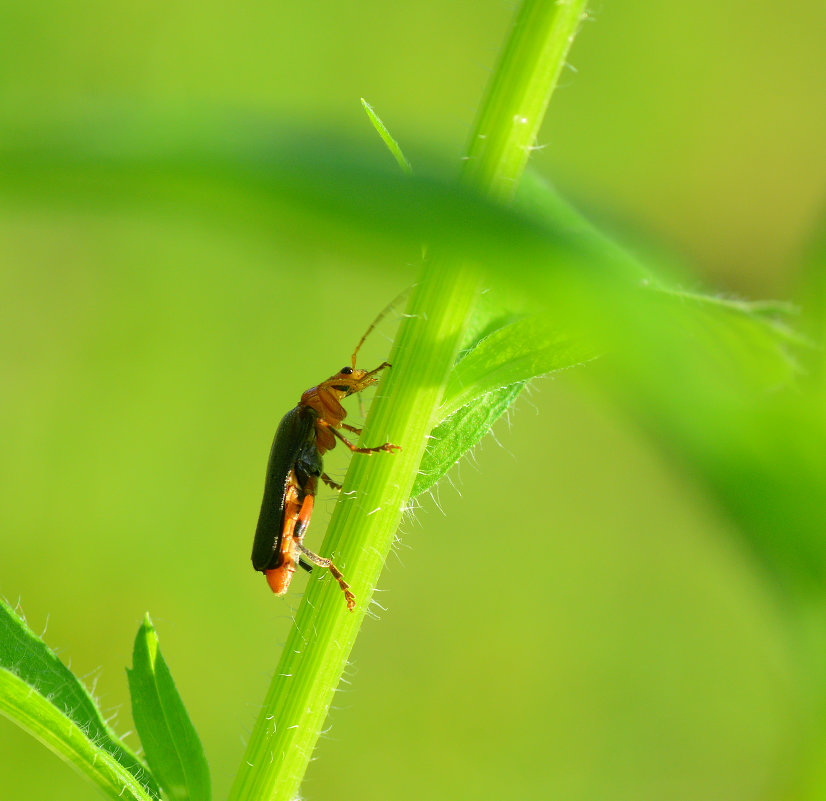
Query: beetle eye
point(346, 370)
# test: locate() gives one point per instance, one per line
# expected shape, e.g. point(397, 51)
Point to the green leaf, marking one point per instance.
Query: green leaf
point(456, 435)
point(716, 381)
point(173, 749)
point(721, 389)
point(392, 145)
point(487, 379)
point(514, 353)
point(41, 695)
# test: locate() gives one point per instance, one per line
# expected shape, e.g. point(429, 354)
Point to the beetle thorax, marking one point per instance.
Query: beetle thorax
point(325, 402)
point(325, 399)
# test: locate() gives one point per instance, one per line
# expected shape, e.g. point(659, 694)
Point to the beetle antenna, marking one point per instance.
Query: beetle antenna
point(382, 314)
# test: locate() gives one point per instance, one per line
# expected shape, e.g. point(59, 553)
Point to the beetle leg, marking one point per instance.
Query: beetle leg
point(302, 519)
point(381, 367)
point(330, 483)
point(387, 447)
point(351, 428)
point(366, 380)
point(322, 562)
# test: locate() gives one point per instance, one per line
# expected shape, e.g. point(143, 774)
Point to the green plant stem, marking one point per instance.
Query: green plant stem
point(527, 73)
point(377, 488)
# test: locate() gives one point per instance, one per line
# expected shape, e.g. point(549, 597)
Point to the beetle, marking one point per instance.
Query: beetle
point(294, 468)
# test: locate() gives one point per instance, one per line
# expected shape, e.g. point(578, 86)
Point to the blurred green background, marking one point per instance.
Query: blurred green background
point(633, 649)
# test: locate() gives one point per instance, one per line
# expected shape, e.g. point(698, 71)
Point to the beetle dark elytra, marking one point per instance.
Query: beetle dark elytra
point(303, 436)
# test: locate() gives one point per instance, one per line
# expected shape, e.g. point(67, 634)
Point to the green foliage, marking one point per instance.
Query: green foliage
point(173, 750)
point(717, 382)
point(41, 695)
point(451, 439)
point(386, 137)
point(486, 379)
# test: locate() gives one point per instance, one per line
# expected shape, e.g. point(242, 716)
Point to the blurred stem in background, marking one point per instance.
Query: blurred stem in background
point(361, 532)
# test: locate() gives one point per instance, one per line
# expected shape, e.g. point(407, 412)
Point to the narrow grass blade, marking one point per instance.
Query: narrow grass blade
point(173, 749)
point(392, 145)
